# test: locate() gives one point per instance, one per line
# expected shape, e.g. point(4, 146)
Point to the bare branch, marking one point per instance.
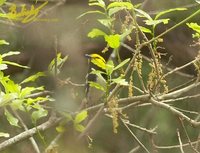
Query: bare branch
point(53, 120)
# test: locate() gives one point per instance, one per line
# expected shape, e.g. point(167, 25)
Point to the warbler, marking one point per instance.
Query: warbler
point(95, 62)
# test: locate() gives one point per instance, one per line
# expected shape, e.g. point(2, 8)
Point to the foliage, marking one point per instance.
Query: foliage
point(134, 84)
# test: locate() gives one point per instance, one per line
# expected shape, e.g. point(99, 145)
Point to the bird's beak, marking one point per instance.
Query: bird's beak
point(87, 55)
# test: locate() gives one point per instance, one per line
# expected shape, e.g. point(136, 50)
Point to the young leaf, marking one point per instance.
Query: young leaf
point(96, 33)
point(109, 67)
point(80, 117)
point(143, 14)
point(96, 85)
point(115, 10)
point(39, 114)
point(145, 30)
point(127, 5)
point(15, 64)
point(90, 12)
point(11, 119)
point(10, 54)
point(120, 81)
point(122, 64)
point(79, 127)
point(3, 42)
point(60, 129)
point(2, 2)
point(168, 11)
point(99, 3)
point(3, 67)
point(33, 77)
point(113, 40)
point(155, 22)
point(194, 26)
point(106, 22)
point(5, 135)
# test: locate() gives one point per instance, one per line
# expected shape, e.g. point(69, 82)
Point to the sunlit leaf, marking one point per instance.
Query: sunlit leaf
point(90, 12)
point(3, 42)
point(106, 22)
point(80, 117)
point(115, 10)
point(155, 22)
point(2, 2)
point(194, 26)
point(145, 30)
point(109, 67)
point(60, 129)
point(79, 127)
point(122, 64)
point(113, 40)
point(15, 64)
point(168, 11)
point(11, 119)
point(33, 77)
point(10, 54)
point(39, 114)
point(96, 85)
point(5, 135)
point(3, 67)
point(143, 14)
point(128, 5)
point(120, 81)
point(96, 33)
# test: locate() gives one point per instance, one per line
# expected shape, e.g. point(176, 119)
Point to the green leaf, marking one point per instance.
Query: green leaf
point(120, 81)
point(60, 129)
point(90, 12)
point(3, 42)
point(106, 22)
point(109, 67)
point(96, 85)
point(39, 114)
point(96, 33)
point(168, 11)
point(79, 127)
point(113, 40)
point(127, 5)
point(33, 77)
point(80, 117)
point(15, 64)
point(145, 30)
point(194, 26)
point(143, 14)
point(5, 135)
point(28, 90)
point(99, 3)
point(122, 64)
point(155, 22)
point(59, 64)
point(11, 87)
point(115, 10)
point(198, 1)
point(10, 54)
point(11, 119)
point(3, 67)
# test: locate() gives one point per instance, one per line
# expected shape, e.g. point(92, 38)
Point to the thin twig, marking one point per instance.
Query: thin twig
point(180, 142)
point(33, 142)
point(135, 138)
point(53, 120)
point(189, 141)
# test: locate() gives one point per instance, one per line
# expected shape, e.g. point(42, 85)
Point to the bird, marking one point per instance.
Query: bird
point(96, 63)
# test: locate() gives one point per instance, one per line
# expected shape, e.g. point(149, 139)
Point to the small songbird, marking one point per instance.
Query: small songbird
point(95, 62)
